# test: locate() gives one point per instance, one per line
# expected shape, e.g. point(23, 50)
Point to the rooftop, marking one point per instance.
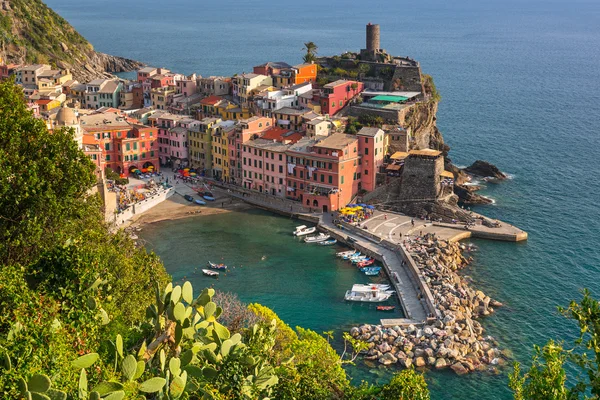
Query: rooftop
point(303, 145)
point(336, 141)
point(425, 153)
point(265, 144)
point(292, 111)
point(368, 131)
point(210, 100)
point(101, 121)
point(110, 87)
point(275, 64)
point(399, 155)
point(147, 70)
point(338, 83)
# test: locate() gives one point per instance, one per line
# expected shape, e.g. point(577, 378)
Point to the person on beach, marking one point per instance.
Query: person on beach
point(412, 221)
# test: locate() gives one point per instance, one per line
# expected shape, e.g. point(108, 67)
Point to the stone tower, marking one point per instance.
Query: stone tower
point(373, 35)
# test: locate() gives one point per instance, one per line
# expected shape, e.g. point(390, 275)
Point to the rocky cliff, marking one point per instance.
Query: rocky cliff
point(31, 32)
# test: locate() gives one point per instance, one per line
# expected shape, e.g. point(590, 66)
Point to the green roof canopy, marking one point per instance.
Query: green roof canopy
point(390, 99)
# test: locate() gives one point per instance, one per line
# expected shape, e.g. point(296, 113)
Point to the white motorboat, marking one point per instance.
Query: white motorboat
point(366, 293)
point(345, 253)
point(379, 286)
point(303, 230)
point(350, 256)
point(209, 272)
point(321, 237)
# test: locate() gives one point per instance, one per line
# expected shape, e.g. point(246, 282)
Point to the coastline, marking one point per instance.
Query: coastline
point(176, 207)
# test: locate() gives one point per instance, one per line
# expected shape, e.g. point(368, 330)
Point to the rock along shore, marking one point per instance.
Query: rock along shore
point(456, 340)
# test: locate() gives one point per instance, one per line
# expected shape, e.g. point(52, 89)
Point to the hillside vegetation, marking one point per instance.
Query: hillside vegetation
point(31, 32)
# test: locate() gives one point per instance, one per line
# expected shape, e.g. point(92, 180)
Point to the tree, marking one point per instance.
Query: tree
point(311, 51)
point(44, 181)
point(407, 385)
point(546, 379)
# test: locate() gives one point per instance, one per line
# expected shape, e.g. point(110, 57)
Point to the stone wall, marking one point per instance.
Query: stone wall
point(421, 178)
point(143, 206)
point(407, 78)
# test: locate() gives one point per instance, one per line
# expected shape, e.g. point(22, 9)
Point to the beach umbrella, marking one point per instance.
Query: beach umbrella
point(192, 173)
point(362, 204)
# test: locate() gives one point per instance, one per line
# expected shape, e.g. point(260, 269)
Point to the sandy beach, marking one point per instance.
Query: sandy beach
point(176, 207)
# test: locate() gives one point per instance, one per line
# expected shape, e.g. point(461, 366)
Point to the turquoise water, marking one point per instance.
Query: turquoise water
point(304, 283)
point(520, 88)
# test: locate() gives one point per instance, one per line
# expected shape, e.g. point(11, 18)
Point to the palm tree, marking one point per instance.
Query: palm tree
point(311, 50)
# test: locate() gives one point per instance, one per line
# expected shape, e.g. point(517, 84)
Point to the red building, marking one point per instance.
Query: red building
point(335, 95)
point(371, 150)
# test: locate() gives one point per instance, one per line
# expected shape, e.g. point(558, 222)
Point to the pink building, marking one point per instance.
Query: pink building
point(335, 95)
point(187, 85)
point(371, 150)
point(172, 139)
point(264, 161)
point(324, 174)
point(247, 129)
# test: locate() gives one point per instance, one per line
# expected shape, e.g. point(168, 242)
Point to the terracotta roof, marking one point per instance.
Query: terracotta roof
point(211, 100)
point(43, 102)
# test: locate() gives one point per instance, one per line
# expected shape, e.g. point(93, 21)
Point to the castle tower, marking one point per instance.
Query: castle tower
point(373, 35)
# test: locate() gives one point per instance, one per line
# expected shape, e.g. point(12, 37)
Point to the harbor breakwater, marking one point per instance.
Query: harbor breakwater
point(456, 339)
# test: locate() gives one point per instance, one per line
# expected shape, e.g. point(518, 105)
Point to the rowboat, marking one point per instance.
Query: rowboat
point(216, 266)
point(208, 198)
point(372, 273)
point(366, 293)
point(366, 263)
point(385, 308)
point(356, 260)
point(321, 237)
point(345, 253)
point(328, 242)
point(378, 286)
point(208, 272)
point(200, 202)
point(304, 230)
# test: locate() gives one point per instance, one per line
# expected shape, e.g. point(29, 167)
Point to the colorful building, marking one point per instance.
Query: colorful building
point(220, 150)
point(335, 95)
point(244, 84)
point(324, 174)
point(295, 75)
point(200, 144)
point(371, 143)
point(162, 96)
point(271, 68)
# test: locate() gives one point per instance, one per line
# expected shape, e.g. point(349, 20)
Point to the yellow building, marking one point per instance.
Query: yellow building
point(244, 84)
point(220, 155)
point(161, 97)
point(200, 144)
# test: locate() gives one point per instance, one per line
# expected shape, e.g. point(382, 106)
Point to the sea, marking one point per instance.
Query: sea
point(520, 88)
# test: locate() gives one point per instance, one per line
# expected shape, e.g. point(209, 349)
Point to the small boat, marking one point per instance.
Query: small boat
point(368, 294)
point(371, 271)
point(188, 197)
point(385, 308)
point(345, 253)
point(356, 260)
point(328, 242)
point(200, 202)
point(305, 231)
point(371, 286)
point(350, 256)
point(299, 228)
point(208, 198)
point(321, 237)
point(366, 263)
point(208, 272)
point(217, 266)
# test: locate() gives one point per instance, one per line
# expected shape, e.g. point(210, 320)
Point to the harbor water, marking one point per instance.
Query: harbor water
point(519, 88)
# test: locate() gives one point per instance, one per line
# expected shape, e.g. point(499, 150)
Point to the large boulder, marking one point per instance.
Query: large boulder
point(485, 169)
point(387, 359)
point(459, 369)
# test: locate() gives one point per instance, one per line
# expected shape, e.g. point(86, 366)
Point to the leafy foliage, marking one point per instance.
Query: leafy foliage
point(547, 379)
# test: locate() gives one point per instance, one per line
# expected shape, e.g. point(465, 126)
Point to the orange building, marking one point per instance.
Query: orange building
point(295, 75)
point(124, 146)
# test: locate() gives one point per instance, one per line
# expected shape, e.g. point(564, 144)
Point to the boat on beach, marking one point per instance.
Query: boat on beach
point(200, 202)
point(321, 237)
point(216, 266)
point(367, 294)
point(304, 230)
point(329, 242)
point(208, 272)
point(208, 198)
